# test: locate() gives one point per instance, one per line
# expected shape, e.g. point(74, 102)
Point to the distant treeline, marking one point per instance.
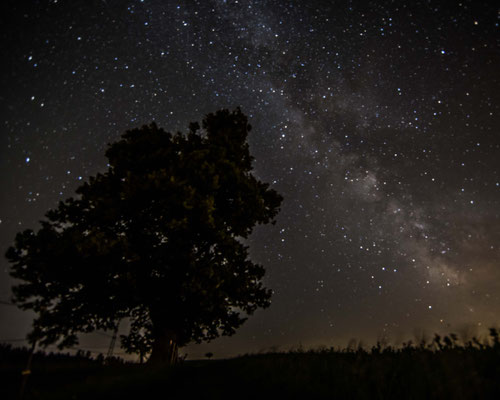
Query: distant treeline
point(12, 357)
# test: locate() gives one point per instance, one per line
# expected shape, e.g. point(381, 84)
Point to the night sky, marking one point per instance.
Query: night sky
point(378, 121)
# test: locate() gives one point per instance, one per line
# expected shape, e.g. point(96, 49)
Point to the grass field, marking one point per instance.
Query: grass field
point(442, 369)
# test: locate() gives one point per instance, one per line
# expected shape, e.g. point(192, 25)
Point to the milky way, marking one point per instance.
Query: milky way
point(377, 121)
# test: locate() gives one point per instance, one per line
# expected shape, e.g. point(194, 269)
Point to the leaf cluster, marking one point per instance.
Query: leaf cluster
point(157, 238)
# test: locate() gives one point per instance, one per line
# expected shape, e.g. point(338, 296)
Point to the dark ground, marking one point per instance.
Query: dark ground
point(441, 370)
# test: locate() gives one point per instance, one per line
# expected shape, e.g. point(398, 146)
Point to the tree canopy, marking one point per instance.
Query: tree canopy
point(157, 238)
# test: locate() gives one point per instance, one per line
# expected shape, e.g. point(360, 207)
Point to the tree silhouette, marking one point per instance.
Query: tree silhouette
point(157, 239)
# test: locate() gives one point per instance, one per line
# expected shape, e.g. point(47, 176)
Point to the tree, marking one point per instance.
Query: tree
point(158, 238)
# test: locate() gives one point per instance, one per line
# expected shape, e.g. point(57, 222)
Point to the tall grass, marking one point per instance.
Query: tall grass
point(441, 368)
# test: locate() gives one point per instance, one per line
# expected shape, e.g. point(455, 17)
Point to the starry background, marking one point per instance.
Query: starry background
point(378, 121)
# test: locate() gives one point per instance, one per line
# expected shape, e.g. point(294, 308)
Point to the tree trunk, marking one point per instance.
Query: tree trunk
point(164, 350)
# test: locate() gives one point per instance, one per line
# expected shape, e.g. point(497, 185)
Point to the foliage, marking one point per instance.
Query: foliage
point(461, 371)
point(156, 238)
